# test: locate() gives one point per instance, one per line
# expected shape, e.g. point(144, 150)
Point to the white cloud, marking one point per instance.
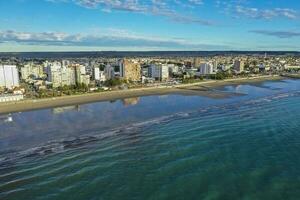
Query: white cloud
point(196, 2)
point(278, 34)
point(242, 8)
point(266, 13)
point(114, 38)
point(153, 7)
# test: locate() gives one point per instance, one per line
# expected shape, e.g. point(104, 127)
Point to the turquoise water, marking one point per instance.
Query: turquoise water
point(158, 147)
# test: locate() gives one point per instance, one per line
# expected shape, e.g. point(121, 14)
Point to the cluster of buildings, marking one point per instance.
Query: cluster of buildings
point(95, 72)
point(66, 73)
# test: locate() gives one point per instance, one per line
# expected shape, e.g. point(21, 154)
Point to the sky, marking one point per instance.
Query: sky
point(149, 25)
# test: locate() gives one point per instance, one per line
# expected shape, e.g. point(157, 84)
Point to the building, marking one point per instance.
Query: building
point(206, 69)
point(102, 76)
point(32, 70)
point(52, 70)
point(9, 76)
point(130, 70)
point(197, 62)
point(238, 66)
point(159, 72)
point(109, 72)
point(60, 75)
point(291, 67)
point(96, 73)
point(173, 69)
point(11, 97)
point(80, 75)
point(215, 65)
point(225, 67)
point(65, 63)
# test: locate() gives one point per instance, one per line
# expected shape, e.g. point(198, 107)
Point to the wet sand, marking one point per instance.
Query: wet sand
point(205, 88)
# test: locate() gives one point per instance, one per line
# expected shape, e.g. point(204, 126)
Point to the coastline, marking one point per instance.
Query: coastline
point(204, 88)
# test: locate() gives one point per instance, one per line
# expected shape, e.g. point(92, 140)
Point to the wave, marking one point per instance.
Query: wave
point(58, 146)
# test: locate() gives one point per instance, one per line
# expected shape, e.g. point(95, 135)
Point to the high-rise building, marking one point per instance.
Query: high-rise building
point(9, 76)
point(197, 62)
point(159, 71)
point(215, 65)
point(80, 75)
point(206, 69)
point(173, 69)
point(60, 75)
point(239, 66)
point(109, 72)
point(130, 70)
point(32, 70)
point(96, 74)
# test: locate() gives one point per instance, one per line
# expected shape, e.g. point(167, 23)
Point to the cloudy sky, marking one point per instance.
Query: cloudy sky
point(138, 25)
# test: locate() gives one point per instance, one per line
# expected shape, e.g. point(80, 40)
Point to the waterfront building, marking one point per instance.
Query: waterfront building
point(9, 76)
point(80, 75)
point(239, 66)
point(206, 69)
point(130, 70)
point(291, 67)
point(215, 65)
point(197, 62)
point(32, 70)
point(173, 69)
point(51, 69)
point(109, 72)
point(102, 77)
point(96, 73)
point(11, 97)
point(60, 76)
point(159, 72)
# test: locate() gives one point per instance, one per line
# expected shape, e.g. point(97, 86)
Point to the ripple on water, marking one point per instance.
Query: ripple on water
point(239, 150)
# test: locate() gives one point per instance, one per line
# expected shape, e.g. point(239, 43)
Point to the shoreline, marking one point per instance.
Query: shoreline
point(204, 88)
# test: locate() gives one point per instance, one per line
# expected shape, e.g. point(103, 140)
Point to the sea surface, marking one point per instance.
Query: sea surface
point(158, 147)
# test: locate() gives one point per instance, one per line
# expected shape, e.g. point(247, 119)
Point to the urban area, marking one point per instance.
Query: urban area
point(40, 78)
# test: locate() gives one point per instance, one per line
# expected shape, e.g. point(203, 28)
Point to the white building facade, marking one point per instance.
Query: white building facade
point(9, 76)
point(60, 75)
point(206, 69)
point(159, 72)
point(11, 97)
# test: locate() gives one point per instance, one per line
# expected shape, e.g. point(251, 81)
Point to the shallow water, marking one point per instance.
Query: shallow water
point(158, 147)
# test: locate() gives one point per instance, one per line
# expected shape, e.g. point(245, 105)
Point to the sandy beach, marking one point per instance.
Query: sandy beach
point(204, 88)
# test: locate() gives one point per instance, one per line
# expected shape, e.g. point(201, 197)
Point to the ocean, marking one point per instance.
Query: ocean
point(246, 146)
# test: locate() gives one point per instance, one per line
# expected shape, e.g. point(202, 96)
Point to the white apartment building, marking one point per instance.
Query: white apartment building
point(206, 69)
point(11, 97)
point(81, 76)
point(31, 69)
point(159, 71)
point(96, 74)
point(9, 76)
point(60, 76)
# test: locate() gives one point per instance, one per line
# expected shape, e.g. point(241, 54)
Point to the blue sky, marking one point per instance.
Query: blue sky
point(138, 25)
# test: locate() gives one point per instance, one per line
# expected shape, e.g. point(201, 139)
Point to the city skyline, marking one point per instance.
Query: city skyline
point(131, 25)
